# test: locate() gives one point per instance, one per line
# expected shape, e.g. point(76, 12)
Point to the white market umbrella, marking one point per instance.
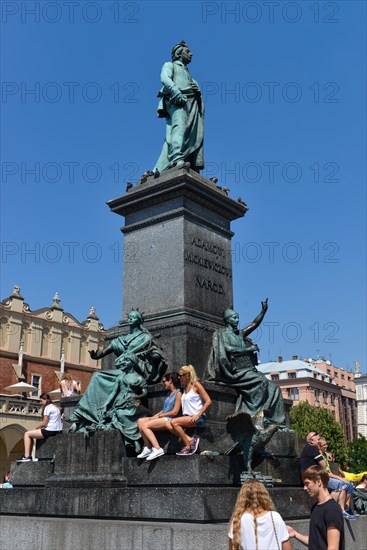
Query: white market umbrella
point(55, 393)
point(20, 387)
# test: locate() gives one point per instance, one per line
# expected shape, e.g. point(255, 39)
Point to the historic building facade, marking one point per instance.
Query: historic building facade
point(321, 384)
point(361, 390)
point(36, 347)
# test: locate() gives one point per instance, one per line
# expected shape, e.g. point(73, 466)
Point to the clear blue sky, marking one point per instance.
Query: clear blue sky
point(285, 89)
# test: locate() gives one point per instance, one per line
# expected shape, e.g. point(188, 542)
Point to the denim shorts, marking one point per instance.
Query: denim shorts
point(201, 421)
point(336, 485)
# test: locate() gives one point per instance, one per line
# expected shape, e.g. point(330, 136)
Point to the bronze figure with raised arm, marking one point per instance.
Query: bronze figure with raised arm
point(233, 363)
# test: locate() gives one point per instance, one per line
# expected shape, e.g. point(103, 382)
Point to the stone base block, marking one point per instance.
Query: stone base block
point(36, 533)
point(193, 504)
point(30, 473)
point(198, 470)
point(201, 470)
point(191, 471)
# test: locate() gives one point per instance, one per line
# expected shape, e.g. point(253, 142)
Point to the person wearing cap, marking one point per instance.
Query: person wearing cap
point(181, 104)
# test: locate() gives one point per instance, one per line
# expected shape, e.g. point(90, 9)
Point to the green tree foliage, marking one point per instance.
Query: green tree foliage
point(305, 418)
point(357, 455)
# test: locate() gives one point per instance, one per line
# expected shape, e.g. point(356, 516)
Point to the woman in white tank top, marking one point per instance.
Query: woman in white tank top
point(194, 402)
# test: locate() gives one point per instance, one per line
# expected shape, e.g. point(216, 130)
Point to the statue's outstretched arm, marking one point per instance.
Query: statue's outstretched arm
point(99, 354)
point(256, 322)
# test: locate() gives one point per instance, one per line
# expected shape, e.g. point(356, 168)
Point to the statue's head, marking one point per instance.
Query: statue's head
point(230, 317)
point(129, 360)
point(182, 51)
point(228, 312)
point(135, 317)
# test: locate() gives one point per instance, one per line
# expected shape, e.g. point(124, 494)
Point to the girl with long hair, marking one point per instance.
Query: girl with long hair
point(254, 524)
point(69, 386)
point(195, 401)
point(160, 421)
point(50, 425)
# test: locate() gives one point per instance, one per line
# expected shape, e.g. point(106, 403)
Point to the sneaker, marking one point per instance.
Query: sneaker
point(145, 452)
point(155, 454)
point(186, 451)
point(195, 443)
point(350, 517)
point(25, 459)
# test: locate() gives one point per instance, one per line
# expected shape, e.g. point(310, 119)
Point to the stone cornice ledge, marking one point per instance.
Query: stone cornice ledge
point(180, 183)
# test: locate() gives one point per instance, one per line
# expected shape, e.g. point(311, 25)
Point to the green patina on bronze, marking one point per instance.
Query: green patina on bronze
point(259, 409)
point(181, 104)
point(112, 397)
point(233, 363)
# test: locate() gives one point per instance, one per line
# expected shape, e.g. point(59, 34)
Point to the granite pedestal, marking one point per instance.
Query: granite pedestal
point(177, 261)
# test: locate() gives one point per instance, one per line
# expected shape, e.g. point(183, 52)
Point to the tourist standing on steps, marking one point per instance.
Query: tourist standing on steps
point(51, 425)
point(326, 529)
point(68, 386)
point(195, 401)
point(160, 421)
point(254, 524)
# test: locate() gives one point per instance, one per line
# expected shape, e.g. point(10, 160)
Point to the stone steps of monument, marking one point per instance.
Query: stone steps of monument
point(92, 477)
point(205, 470)
point(195, 470)
point(192, 504)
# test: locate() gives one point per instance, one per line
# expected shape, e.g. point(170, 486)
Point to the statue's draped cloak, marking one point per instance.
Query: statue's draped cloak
point(233, 364)
point(151, 364)
point(122, 411)
point(185, 124)
point(125, 383)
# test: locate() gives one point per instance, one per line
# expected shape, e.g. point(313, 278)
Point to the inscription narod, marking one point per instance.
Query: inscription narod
point(209, 285)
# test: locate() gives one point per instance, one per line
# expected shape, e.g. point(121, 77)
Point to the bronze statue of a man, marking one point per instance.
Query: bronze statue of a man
point(182, 105)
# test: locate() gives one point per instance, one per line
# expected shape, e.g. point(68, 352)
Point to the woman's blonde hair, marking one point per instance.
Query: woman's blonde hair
point(252, 497)
point(67, 376)
point(189, 369)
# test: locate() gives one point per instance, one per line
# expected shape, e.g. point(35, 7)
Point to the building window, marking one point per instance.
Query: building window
point(324, 397)
point(292, 375)
point(317, 394)
point(274, 376)
point(343, 376)
point(329, 372)
point(332, 399)
point(293, 393)
point(36, 382)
